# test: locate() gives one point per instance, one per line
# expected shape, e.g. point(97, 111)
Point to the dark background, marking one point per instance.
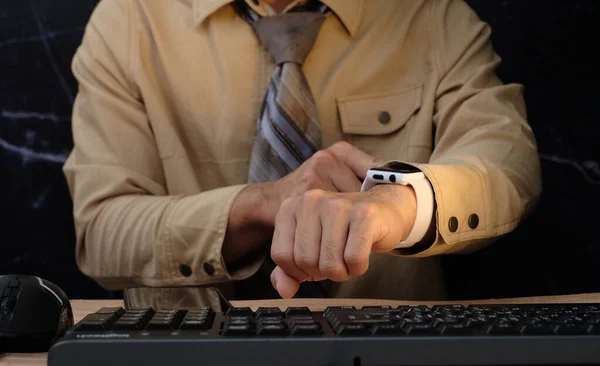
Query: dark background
point(549, 46)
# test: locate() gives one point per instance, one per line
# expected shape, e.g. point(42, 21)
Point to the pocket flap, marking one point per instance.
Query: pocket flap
point(379, 113)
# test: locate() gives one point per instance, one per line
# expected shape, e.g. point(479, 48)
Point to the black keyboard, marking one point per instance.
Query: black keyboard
point(381, 335)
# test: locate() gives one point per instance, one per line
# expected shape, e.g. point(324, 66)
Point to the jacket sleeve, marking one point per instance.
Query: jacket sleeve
point(484, 169)
point(129, 230)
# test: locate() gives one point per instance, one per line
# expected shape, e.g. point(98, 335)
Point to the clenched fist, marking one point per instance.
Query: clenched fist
point(330, 235)
point(338, 168)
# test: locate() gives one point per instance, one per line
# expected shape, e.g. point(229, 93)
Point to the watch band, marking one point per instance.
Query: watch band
point(423, 192)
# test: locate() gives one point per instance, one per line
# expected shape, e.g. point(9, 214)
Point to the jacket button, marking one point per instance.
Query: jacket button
point(209, 269)
point(453, 224)
point(473, 221)
point(384, 117)
point(185, 270)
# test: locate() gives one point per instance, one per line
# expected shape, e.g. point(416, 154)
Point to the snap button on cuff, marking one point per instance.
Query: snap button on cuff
point(209, 269)
point(453, 224)
point(473, 221)
point(185, 270)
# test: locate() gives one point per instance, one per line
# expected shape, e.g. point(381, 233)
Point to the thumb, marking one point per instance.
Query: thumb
point(284, 284)
point(354, 158)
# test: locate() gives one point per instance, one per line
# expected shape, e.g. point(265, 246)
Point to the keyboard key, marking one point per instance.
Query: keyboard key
point(238, 330)
point(246, 311)
point(331, 309)
point(265, 322)
point(96, 325)
point(504, 329)
point(306, 329)
point(458, 329)
point(298, 311)
point(448, 309)
point(416, 321)
point(415, 309)
point(572, 329)
point(300, 321)
point(448, 320)
point(594, 329)
point(195, 324)
point(538, 329)
point(272, 329)
point(421, 329)
point(386, 329)
point(352, 330)
point(201, 310)
point(262, 312)
point(97, 321)
point(128, 325)
point(166, 320)
point(116, 310)
point(380, 307)
point(144, 314)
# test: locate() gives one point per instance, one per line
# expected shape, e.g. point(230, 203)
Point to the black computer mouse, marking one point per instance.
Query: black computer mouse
point(34, 313)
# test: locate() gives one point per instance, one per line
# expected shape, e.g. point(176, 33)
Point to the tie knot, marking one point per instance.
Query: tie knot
point(289, 37)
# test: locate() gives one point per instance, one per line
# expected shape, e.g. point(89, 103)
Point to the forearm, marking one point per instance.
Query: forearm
point(156, 240)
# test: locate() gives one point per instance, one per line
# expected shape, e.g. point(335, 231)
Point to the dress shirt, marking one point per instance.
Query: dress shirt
point(165, 119)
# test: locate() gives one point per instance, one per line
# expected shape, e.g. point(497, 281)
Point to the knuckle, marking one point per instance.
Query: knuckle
point(335, 271)
point(309, 180)
point(323, 157)
point(305, 260)
point(357, 262)
point(286, 207)
point(281, 257)
point(313, 197)
point(342, 146)
point(337, 206)
point(364, 211)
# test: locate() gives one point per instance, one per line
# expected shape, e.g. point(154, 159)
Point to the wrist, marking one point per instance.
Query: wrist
point(403, 199)
point(250, 224)
point(257, 205)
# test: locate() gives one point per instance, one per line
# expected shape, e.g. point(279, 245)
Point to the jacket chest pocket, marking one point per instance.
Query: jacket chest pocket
point(377, 123)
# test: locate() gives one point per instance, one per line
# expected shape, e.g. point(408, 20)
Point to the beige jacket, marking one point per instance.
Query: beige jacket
point(165, 117)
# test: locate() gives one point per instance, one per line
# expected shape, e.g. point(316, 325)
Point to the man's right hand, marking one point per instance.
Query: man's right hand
point(338, 168)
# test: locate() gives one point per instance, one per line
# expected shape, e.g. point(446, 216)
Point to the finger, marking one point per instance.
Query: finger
point(282, 248)
point(308, 233)
point(333, 175)
point(358, 246)
point(343, 178)
point(285, 285)
point(357, 160)
point(334, 218)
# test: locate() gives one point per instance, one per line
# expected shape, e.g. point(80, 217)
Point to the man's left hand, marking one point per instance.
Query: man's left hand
point(329, 235)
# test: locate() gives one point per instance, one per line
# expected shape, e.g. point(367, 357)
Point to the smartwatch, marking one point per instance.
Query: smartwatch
point(404, 174)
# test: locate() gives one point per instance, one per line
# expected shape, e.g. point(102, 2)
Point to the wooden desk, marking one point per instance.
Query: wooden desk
point(83, 307)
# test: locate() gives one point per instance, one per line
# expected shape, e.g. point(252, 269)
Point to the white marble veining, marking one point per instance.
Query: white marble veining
point(38, 38)
point(63, 82)
point(33, 115)
point(38, 203)
point(29, 154)
point(589, 169)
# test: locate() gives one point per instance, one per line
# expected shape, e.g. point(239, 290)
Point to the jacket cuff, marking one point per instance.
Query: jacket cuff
point(463, 211)
point(194, 240)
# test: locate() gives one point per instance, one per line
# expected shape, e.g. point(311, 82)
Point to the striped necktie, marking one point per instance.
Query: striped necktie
point(288, 130)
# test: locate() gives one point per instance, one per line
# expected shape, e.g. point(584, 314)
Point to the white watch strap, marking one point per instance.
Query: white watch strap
point(424, 194)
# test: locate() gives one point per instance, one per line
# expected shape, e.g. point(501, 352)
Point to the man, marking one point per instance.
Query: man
point(177, 178)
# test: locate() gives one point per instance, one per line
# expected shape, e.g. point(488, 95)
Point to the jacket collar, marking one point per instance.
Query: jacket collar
point(349, 11)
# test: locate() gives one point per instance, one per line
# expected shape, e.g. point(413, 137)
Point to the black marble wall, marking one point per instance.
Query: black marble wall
point(550, 47)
